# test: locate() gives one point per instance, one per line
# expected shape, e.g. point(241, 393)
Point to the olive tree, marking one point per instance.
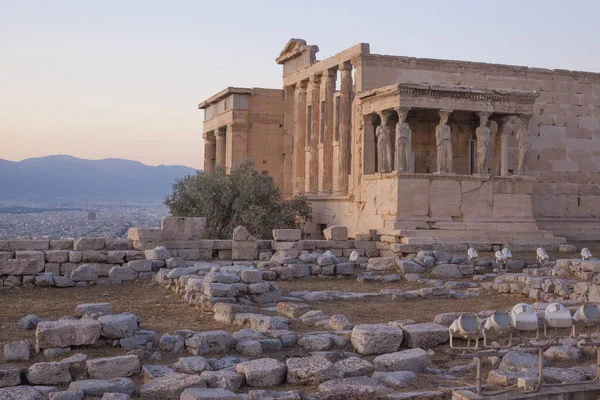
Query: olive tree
point(242, 197)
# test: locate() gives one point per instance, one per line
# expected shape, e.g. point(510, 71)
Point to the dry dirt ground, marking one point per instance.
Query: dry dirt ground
point(163, 311)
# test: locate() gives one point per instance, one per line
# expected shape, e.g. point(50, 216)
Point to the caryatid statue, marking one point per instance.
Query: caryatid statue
point(524, 144)
point(403, 142)
point(484, 143)
point(443, 141)
point(384, 144)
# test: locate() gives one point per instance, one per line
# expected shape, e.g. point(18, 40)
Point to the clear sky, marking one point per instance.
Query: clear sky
point(122, 78)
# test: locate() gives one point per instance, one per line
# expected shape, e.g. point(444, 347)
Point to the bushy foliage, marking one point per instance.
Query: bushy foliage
point(242, 197)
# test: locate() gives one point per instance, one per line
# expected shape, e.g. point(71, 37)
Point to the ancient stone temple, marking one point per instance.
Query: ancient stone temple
point(430, 150)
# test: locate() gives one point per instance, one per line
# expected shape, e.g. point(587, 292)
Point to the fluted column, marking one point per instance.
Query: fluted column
point(345, 127)
point(313, 140)
point(299, 136)
point(326, 168)
point(221, 147)
point(209, 151)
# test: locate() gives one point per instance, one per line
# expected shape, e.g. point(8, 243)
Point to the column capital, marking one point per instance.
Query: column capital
point(301, 85)
point(402, 113)
point(316, 78)
point(330, 73)
point(210, 136)
point(524, 118)
point(345, 66)
point(221, 133)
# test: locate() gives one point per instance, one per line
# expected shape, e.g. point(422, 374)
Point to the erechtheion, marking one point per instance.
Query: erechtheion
point(422, 148)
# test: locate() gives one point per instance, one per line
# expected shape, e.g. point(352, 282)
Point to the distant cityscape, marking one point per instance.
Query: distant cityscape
point(73, 220)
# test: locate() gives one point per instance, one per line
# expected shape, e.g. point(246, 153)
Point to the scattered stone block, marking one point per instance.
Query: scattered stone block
point(425, 335)
point(69, 395)
point(118, 326)
point(113, 367)
point(16, 351)
point(192, 365)
point(309, 370)
point(21, 393)
point(415, 360)
point(376, 338)
point(158, 253)
point(210, 342)
point(223, 379)
point(84, 273)
point(209, 394)
point(262, 372)
point(274, 395)
point(49, 373)
point(28, 322)
point(352, 367)
point(170, 387)
point(93, 308)
point(395, 380)
point(291, 309)
point(97, 387)
point(18, 267)
point(67, 333)
point(224, 312)
point(360, 388)
point(287, 235)
point(9, 376)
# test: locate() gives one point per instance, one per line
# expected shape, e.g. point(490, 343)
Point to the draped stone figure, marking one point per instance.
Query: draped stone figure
point(443, 140)
point(484, 143)
point(524, 145)
point(403, 142)
point(384, 144)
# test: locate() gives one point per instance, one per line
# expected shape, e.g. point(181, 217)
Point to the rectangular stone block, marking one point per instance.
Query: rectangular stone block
point(57, 256)
point(4, 245)
point(144, 235)
point(66, 333)
point(29, 245)
point(336, 232)
point(61, 244)
point(172, 228)
point(222, 244)
point(182, 244)
point(52, 268)
point(193, 228)
point(287, 235)
point(38, 256)
point(6, 255)
point(89, 243)
point(19, 267)
point(118, 244)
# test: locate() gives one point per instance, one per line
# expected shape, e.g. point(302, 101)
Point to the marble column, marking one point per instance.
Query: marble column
point(524, 144)
point(209, 151)
point(345, 123)
point(299, 135)
point(221, 146)
point(313, 140)
point(326, 167)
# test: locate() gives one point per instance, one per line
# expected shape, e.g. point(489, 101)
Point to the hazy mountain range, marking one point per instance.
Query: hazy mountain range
point(65, 178)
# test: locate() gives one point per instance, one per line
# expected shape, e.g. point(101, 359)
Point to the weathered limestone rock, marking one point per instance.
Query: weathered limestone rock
point(224, 312)
point(96, 387)
point(567, 248)
point(264, 323)
point(516, 361)
point(21, 393)
point(69, 395)
point(63, 281)
point(309, 370)
point(339, 322)
point(158, 253)
point(28, 322)
point(447, 271)
point(249, 348)
point(563, 353)
point(209, 394)
point(376, 338)
point(291, 309)
point(57, 256)
point(122, 274)
point(409, 267)
point(223, 379)
point(67, 333)
point(287, 235)
point(360, 388)
point(170, 387)
point(263, 372)
point(49, 373)
point(84, 273)
point(353, 366)
point(336, 233)
point(315, 342)
point(9, 376)
point(210, 342)
point(82, 244)
point(93, 308)
point(150, 372)
point(38, 256)
point(113, 367)
point(17, 351)
point(173, 343)
point(192, 365)
point(395, 380)
point(274, 395)
point(18, 267)
point(425, 335)
point(382, 264)
point(408, 360)
point(118, 326)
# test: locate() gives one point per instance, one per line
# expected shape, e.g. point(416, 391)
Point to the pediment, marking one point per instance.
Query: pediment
point(292, 45)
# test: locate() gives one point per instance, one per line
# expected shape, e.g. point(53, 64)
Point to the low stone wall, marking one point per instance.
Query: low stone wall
point(567, 279)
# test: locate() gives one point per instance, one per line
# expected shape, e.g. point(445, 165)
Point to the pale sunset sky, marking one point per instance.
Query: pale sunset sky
point(99, 79)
